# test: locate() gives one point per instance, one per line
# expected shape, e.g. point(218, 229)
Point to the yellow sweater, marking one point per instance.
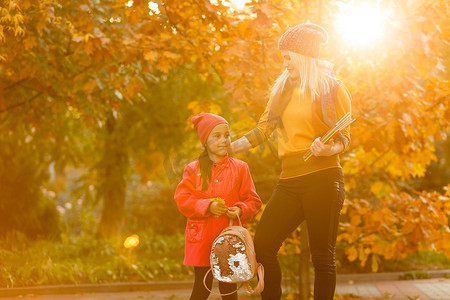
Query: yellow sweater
point(297, 134)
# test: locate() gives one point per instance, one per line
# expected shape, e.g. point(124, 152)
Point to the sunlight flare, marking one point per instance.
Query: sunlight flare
point(239, 4)
point(154, 8)
point(131, 241)
point(361, 25)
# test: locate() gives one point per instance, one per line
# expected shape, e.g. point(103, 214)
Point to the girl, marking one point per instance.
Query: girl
point(213, 175)
point(306, 101)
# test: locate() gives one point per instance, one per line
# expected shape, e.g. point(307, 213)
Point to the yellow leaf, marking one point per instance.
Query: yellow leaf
point(408, 228)
point(29, 43)
point(90, 85)
point(88, 36)
point(171, 55)
point(363, 255)
point(376, 187)
point(12, 5)
point(417, 235)
point(352, 254)
point(163, 66)
point(150, 55)
point(77, 38)
point(19, 31)
point(105, 40)
point(381, 189)
point(217, 200)
point(355, 220)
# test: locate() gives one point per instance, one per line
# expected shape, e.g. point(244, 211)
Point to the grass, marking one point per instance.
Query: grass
point(85, 259)
point(415, 275)
point(88, 260)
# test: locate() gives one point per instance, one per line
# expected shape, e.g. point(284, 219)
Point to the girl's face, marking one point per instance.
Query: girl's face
point(289, 65)
point(218, 142)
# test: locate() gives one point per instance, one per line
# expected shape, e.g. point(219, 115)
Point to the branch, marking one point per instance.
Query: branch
point(15, 83)
point(439, 101)
point(380, 156)
point(21, 103)
point(190, 42)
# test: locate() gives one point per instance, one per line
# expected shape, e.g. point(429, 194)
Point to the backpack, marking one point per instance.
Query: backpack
point(233, 259)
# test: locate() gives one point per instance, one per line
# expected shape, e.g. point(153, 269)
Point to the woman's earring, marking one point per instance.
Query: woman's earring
point(203, 147)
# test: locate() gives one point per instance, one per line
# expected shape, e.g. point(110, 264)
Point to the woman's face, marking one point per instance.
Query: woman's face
point(218, 142)
point(289, 65)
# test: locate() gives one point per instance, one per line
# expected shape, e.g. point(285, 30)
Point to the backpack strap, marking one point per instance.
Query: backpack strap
point(260, 286)
point(230, 221)
point(324, 114)
point(218, 294)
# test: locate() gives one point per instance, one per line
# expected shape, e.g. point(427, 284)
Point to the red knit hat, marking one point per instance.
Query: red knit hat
point(205, 123)
point(304, 39)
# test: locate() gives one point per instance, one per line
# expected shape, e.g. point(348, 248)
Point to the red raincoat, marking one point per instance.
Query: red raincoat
point(231, 181)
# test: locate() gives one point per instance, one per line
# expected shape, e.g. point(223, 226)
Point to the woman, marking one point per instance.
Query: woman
point(306, 101)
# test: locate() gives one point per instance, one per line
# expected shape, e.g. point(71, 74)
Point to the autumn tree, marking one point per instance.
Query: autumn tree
point(103, 84)
point(400, 98)
point(78, 80)
point(401, 114)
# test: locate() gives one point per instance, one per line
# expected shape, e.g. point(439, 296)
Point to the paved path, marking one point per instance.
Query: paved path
point(438, 288)
point(153, 295)
point(167, 294)
point(348, 287)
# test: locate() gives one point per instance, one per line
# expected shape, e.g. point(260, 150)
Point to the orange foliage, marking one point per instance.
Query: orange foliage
point(401, 225)
point(97, 57)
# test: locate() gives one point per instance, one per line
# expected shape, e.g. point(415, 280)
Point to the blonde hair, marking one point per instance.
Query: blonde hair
point(313, 75)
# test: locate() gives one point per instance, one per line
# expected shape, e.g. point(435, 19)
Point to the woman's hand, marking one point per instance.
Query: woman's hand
point(331, 148)
point(231, 213)
point(218, 209)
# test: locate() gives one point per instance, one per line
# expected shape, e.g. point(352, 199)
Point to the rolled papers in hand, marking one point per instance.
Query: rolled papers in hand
point(341, 124)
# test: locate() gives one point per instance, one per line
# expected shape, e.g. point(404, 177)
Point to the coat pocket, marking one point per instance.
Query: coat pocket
point(195, 230)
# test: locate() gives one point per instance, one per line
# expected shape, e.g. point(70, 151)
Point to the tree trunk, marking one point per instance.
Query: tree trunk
point(304, 281)
point(112, 189)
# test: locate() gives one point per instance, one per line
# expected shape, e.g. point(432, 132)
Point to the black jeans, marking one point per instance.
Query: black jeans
point(316, 198)
point(200, 293)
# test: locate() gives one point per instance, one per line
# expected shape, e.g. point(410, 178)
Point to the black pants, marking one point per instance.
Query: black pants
point(200, 293)
point(316, 198)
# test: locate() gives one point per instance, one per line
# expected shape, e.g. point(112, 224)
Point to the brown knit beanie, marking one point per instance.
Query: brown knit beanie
point(304, 39)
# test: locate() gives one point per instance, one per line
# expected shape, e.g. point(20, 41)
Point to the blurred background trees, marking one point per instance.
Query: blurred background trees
point(96, 99)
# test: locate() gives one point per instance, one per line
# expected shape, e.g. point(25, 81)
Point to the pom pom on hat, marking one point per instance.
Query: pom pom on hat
point(304, 39)
point(205, 123)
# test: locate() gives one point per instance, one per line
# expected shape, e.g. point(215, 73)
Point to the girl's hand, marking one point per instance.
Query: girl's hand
point(331, 148)
point(218, 209)
point(231, 213)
